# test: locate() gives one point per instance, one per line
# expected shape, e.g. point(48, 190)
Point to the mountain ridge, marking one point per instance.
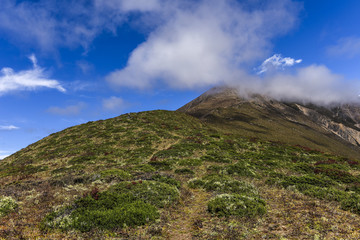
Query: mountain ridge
point(331, 122)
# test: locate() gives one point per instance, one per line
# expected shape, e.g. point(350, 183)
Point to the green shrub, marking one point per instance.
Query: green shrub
point(214, 168)
point(162, 165)
point(335, 174)
point(59, 170)
point(7, 205)
point(115, 174)
point(87, 159)
point(303, 168)
point(267, 163)
point(306, 179)
point(30, 169)
point(223, 184)
point(190, 162)
point(275, 178)
point(184, 171)
point(239, 169)
point(166, 179)
point(215, 135)
point(333, 164)
point(196, 183)
point(355, 187)
point(179, 150)
point(156, 193)
point(130, 214)
point(145, 168)
point(105, 210)
point(137, 155)
point(215, 158)
point(225, 205)
point(352, 204)
point(327, 193)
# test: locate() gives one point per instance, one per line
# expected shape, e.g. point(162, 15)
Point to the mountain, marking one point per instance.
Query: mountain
point(221, 167)
point(332, 128)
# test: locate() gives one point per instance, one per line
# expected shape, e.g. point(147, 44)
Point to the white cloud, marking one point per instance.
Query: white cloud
point(67, 111)
point(277, 62)
point(130, 5)
point(140, 5)
point(50, 24)
point(24, 22)
point(348, 47)
point(8, 127)
point(27, 79)
point(84, 66)
point(113, 104)
point(314, 83)
point(193, 48)
point(4, 154)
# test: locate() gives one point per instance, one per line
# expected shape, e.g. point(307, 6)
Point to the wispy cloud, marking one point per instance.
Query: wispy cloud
point(130, 5)
point(113, 104)
point(50, 24)
point(68, 110)
point(8, 127)
point(84, 66)
point(26, 80)
point(347, 47)
point(193, 48)
point(277, 62)
point(4, 154)
point(314, 83)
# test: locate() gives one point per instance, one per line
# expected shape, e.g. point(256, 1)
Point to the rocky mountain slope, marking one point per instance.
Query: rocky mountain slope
point(341, 120)
point(240, 169)
point(329, 128)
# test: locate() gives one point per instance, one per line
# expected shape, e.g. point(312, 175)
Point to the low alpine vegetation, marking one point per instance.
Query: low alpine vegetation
point(223, 184)
point(127, 203)
point(106, 210)
point(115, 174)
point(234, 197)
point(7, 205)
point(225, 205)
point(129, 177)
point(159, 194)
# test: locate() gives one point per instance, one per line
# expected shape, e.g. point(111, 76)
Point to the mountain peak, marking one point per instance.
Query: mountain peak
point(310, 124)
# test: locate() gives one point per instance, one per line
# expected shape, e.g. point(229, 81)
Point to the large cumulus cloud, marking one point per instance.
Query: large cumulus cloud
point(210, 42)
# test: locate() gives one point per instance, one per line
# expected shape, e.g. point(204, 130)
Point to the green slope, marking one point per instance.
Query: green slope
point(167, 175)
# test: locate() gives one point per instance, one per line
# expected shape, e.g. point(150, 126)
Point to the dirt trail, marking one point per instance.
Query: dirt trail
point(189, 215)
point(164, 146)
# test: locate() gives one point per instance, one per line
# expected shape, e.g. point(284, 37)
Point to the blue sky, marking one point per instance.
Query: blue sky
point(67, 62)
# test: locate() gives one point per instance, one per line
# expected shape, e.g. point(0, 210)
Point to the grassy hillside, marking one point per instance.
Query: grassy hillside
point(167, 175)
point(252, 122)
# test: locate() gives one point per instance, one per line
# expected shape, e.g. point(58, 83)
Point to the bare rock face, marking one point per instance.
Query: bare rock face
point(343, 122)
